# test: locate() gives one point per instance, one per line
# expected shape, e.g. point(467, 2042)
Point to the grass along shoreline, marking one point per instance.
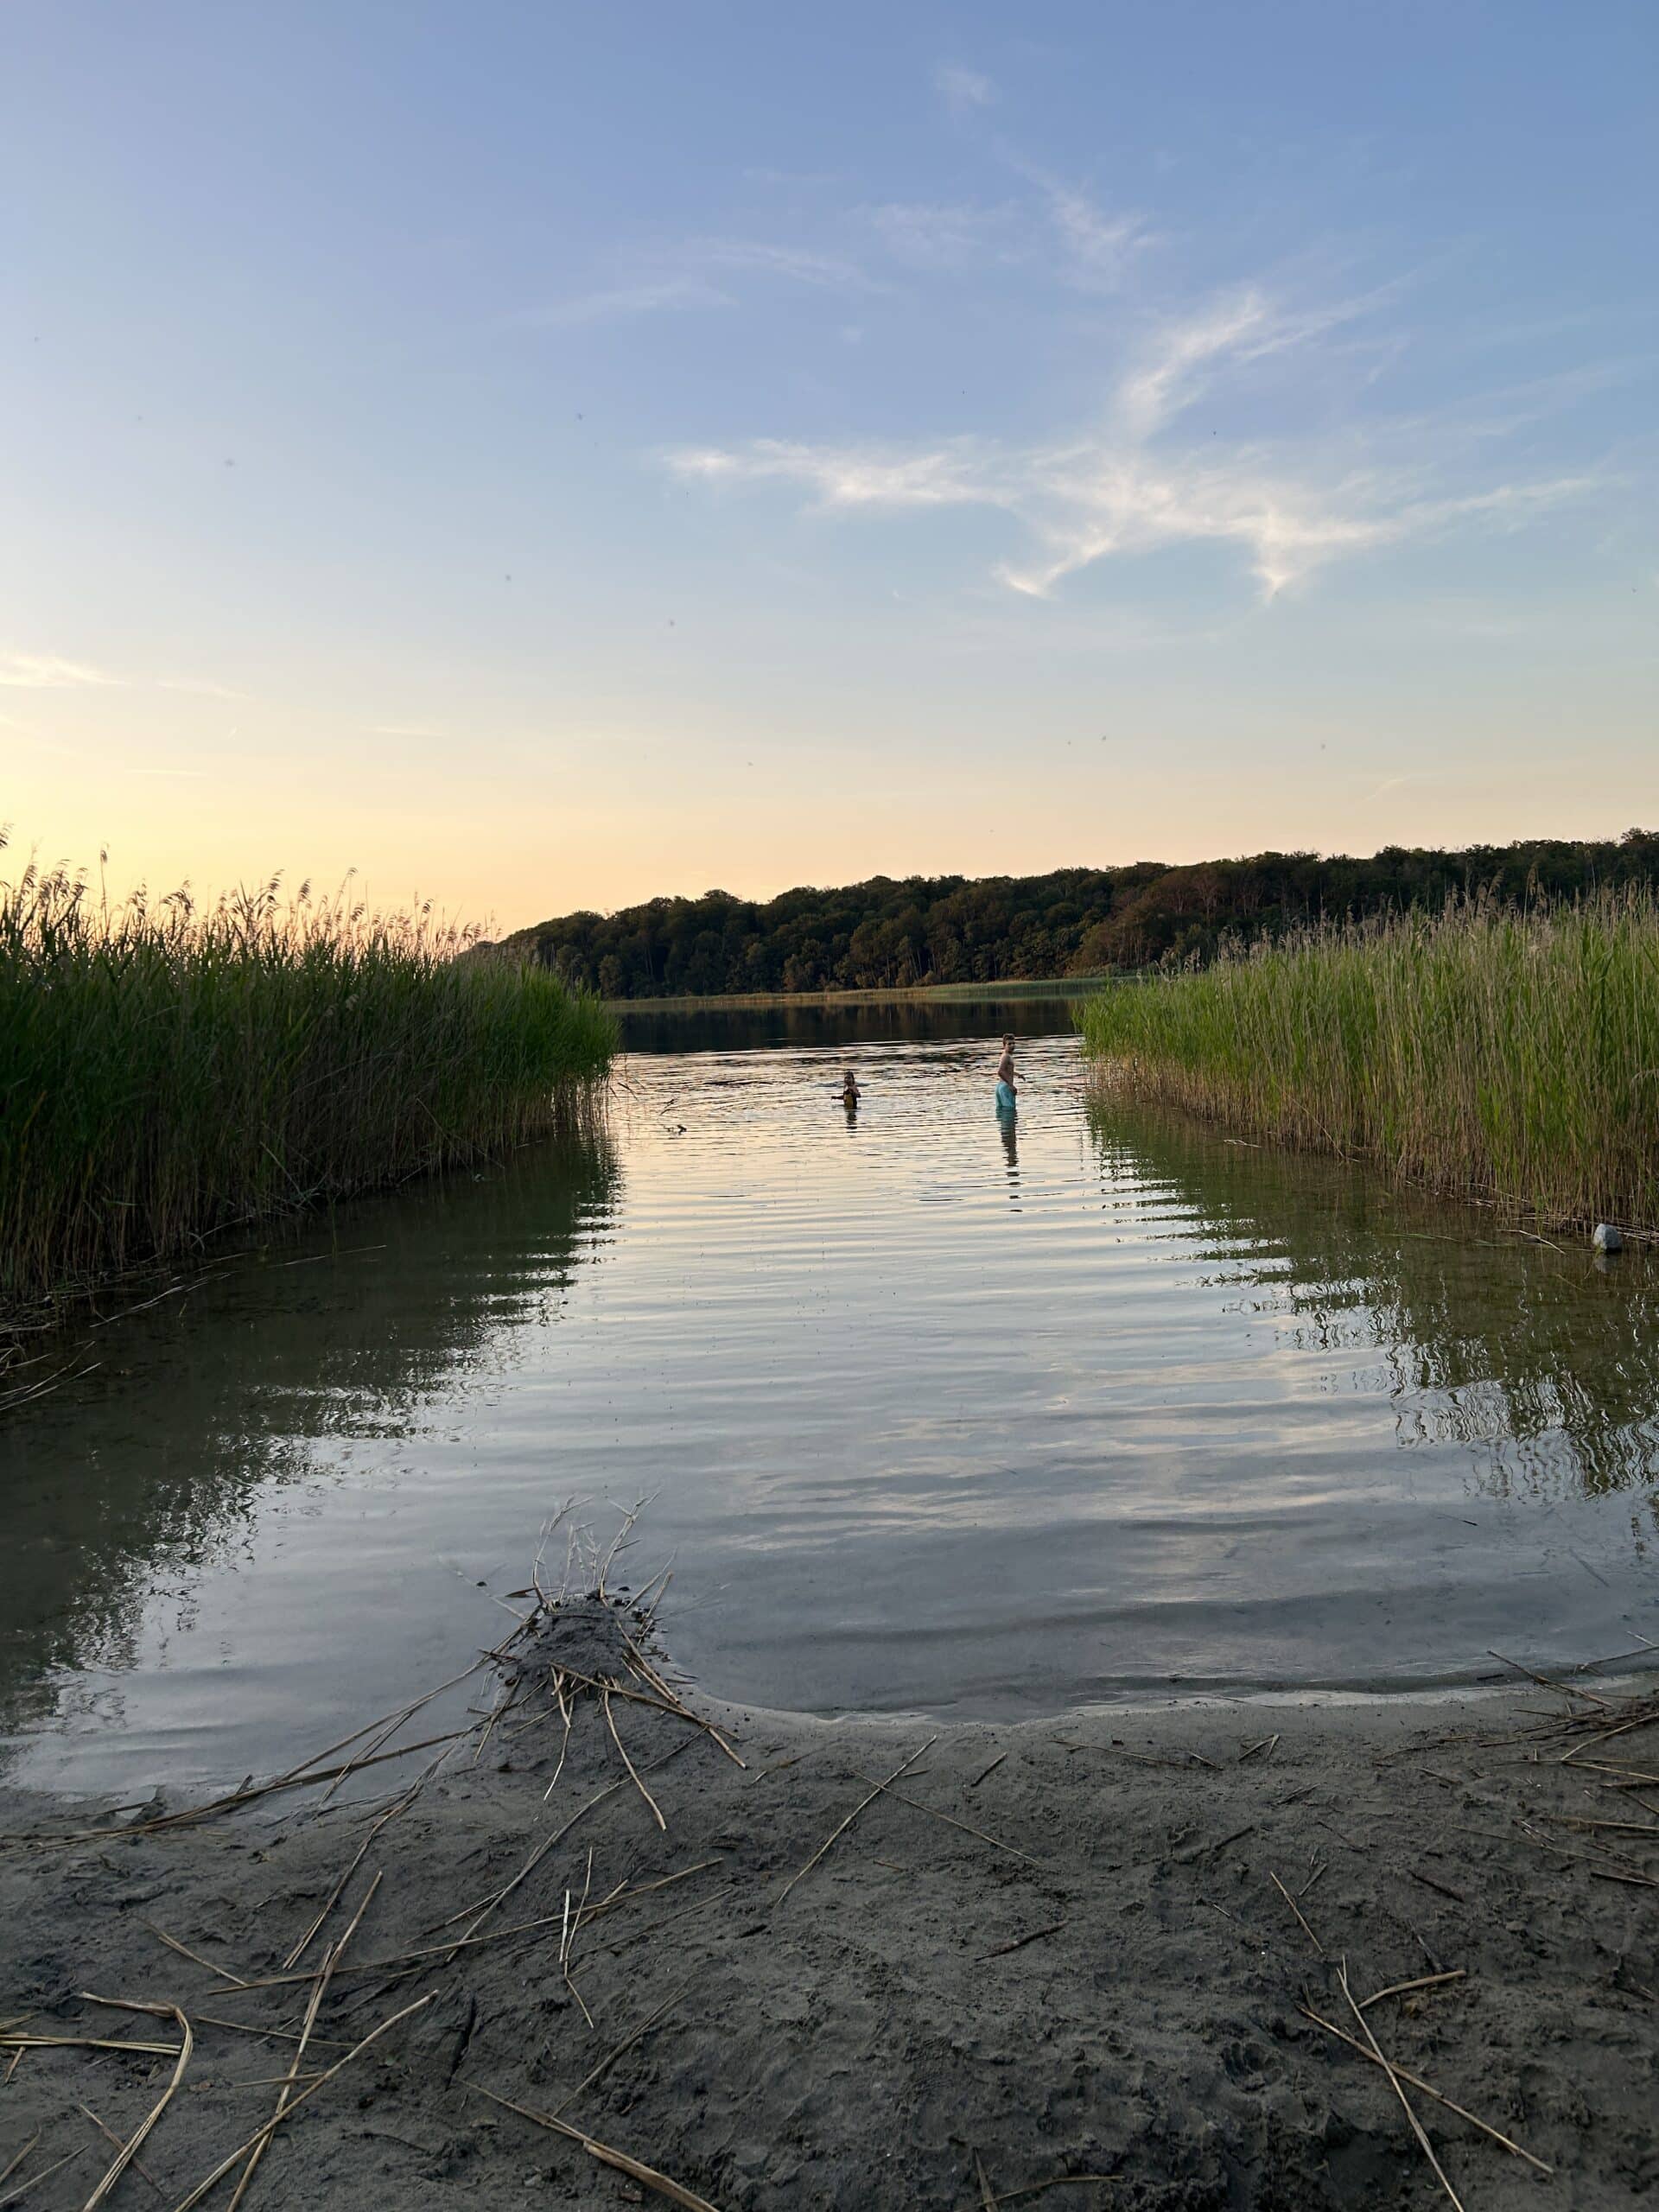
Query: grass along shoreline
point(1510, 1057)
point(1041, 987)
point(167, 1075)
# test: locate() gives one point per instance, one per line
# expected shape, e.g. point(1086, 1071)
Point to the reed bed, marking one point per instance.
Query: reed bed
point(1506, 1055)
point(167, 1072)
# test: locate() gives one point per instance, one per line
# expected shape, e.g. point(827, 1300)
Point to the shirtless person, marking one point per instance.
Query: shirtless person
point(1006, 1101)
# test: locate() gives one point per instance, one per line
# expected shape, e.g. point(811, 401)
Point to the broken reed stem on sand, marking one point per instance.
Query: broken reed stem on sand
point(35, 2180)
point(135, 2142)
point(951, 1822)
point(841, 1829)
point(1319, 1947)
point(1423, 1981)
point(1059, 2181)
point(194, 1957)
point(656, 1704)
point(87, 2043)
point(325, 1975)
point(1562, 1689)
point(110, 2136)
point(211, 2181)
point(18, 2156)
point(1417, 2082)
point(610, 1722)
point(635, 2169)
point(338, 1890)
point(1397, 2084)
point(623, 2048)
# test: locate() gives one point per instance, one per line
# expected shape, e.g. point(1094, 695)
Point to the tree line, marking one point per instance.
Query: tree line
point(894, 933)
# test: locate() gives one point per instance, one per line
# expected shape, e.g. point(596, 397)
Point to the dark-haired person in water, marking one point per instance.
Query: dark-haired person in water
point(1006, 1101)
point(850, 1093)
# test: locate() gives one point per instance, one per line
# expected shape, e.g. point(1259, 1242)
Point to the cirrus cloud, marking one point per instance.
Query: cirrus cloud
point(1130, 486)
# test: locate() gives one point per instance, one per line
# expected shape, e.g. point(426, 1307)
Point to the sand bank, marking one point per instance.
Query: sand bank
point(1081, 1948)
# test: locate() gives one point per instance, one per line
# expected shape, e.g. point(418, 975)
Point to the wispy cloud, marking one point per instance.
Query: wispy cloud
point(1129, 485)
point(23, 671)
point(797, 264)
point(31, 672)
point(945, 234)
point(1098, 248)
point(852, 476)
point(199, 687)
point(964, 91)
point(690, 274)
point(622, 301)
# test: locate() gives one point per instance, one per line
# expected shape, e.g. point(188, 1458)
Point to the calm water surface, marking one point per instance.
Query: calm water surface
point(934, 1412)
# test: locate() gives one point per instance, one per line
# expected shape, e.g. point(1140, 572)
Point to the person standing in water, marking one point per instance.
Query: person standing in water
point(850, 1093)
point(1007, 1102)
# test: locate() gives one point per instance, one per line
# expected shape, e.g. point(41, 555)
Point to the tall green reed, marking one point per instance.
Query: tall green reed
point(1505, 1054)
point(167, 1072)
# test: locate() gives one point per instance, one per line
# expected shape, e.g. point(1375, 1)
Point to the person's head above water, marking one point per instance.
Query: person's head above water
point(1007, 1044)
point(849, 1084)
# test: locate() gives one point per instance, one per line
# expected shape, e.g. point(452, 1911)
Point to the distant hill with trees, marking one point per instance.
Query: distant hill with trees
point(893, 933)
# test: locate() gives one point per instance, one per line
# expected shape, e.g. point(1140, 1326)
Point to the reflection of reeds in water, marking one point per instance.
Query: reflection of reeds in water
point(1504, 1055)
point(283, 1356)
point(169, 1073)
point(1544, 1368)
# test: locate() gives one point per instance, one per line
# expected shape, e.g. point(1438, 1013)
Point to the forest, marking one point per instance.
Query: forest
point(897, 933)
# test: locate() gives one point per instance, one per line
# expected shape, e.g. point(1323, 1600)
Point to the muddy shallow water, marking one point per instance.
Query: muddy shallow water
point(935, 1412)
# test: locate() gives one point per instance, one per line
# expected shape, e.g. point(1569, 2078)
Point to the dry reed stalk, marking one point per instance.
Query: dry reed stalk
point(620, 2161)
point(630, 1516)
point(987, 2197)
point(626, 1893)
point(331, 1959)
point(18, 2156)
point(951, 1822)
point(1397, 2085)
point(87, 2043)
point(110, 2136)
point(35, 2180)
point(235, 1800)
point(225, 2164)
point(654, 1680)
point(336, 1894)
point(1019, 1942)
point(1416, 2080)
point(566, 1713)
point(1423, 1981)
point(842, 1827)
point(1562, 1689)
point(1319, 1947)
point(569, 1937)
point(194, 1957)
point(1059, 2181)
point(135, 2142)
point(623, 2048)
point(610, 1722)
point(656, 1705)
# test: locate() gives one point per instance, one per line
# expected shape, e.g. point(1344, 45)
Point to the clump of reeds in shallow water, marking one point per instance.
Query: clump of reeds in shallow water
point(1508, 1055)
point(167, 1072)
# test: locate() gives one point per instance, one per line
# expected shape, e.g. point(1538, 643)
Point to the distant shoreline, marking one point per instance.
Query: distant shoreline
point(1042, 987)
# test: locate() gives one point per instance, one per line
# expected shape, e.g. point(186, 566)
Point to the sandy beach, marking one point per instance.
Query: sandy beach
point(1070, 1961)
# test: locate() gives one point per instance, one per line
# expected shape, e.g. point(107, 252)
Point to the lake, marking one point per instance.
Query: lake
point(933, 1414)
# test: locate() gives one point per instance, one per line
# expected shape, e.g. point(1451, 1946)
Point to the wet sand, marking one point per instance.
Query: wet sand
point(1057, 1948)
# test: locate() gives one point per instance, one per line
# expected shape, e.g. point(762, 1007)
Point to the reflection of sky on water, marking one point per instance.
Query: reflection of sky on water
point(936, 1410)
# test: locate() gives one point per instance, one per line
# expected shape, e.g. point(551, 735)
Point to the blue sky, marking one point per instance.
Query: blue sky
point(540, 456)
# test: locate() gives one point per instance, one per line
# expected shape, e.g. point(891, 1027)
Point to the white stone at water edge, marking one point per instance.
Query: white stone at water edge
point(1607, 1238)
